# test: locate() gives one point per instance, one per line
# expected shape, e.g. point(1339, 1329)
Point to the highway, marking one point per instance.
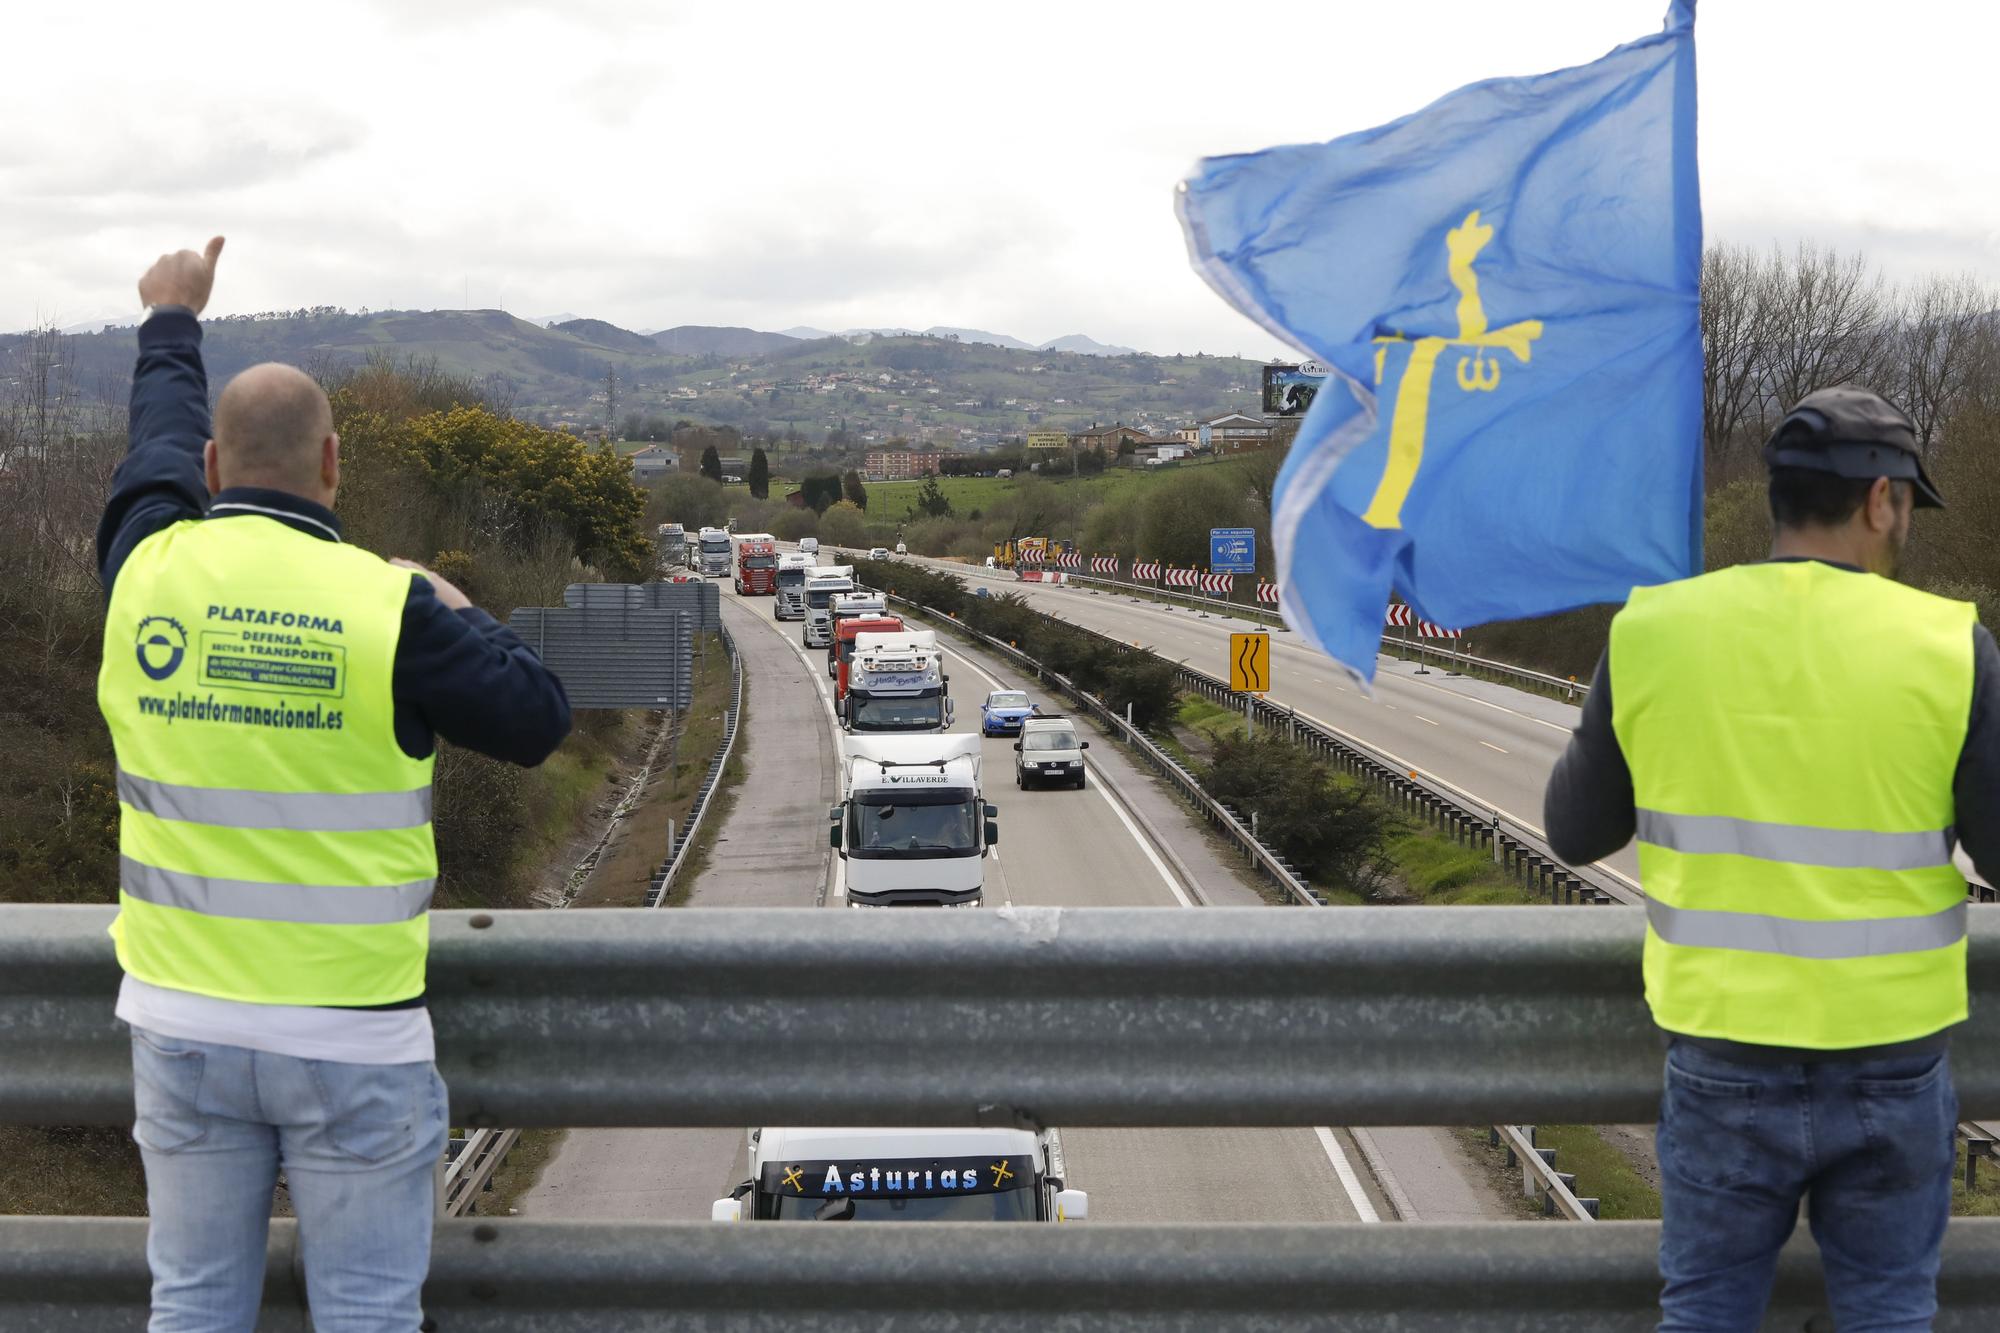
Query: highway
point(1058, 848)
point(1495, 744)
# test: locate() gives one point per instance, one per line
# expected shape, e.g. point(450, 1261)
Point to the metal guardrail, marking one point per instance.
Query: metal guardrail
point(1030, 1016)
point(663, 880)
point(1539, 1177)
point(523, 1276)
point(1017, 1016)
point(470, 1171)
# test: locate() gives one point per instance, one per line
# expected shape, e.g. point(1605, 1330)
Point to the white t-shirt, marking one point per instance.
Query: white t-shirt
point(347, 1036)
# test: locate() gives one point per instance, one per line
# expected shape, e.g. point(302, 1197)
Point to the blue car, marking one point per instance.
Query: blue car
point(1003, 712)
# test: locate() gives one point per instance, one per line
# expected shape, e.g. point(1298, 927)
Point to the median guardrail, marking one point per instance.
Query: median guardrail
point(680, 841)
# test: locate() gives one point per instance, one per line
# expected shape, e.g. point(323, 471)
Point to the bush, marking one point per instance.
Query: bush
point(1327, 828)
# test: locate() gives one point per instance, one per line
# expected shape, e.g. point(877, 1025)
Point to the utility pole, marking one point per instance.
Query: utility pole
point(611, 402)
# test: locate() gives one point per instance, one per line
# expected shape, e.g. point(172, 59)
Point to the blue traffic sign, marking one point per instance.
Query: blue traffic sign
point(1232, 550)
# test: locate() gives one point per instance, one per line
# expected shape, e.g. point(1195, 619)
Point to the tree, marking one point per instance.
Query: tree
point(820, 490)
point(711, 464)
point(1090, 462)
point(760, 474)
point(856, 493)
point(931, 500)
point(843, 525)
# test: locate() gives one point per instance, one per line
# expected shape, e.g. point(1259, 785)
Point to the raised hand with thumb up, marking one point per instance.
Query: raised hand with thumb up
point(181, 278)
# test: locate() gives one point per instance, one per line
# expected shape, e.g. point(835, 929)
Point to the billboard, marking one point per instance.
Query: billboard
point(1047, 439)
point(1289, 389)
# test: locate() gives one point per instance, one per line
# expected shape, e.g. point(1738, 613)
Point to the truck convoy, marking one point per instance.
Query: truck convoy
point(822, 586)
point(842, 651)
point(913, 828)
point(670, 547)
point(714, 553)
point(756, 564)
point(896, 683)
point(790, 603)
point(903, 1175)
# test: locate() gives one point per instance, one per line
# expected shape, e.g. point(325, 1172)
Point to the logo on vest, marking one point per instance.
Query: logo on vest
point(162, 644)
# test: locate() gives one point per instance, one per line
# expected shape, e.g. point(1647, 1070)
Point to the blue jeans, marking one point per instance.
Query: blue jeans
point(1868, 1144)
point(359, 1145)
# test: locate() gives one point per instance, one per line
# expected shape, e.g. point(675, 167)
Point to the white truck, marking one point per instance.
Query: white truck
point(896, 683)
point(904, 1175)
point(845, 606)
point(913, 828)
point(713, 545)
point(794, 567)
point(822, 586)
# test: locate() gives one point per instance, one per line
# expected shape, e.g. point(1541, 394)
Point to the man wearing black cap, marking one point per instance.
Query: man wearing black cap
point(1795, 744)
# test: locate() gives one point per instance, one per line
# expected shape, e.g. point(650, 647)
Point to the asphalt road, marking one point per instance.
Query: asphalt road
point(1058, 848)
point(1495, 745)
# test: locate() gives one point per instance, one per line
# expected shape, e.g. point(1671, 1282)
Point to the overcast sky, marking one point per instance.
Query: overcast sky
point(999, 166)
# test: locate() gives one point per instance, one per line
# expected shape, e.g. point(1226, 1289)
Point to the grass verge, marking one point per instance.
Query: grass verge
point(521, 1171)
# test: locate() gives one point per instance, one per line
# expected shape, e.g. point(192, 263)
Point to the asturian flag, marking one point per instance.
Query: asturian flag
point(1505, 288)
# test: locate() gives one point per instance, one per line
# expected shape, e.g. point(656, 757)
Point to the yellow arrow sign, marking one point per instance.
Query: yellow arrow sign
point(1250, 663)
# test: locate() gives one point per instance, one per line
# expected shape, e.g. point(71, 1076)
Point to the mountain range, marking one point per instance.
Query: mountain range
point(960, 388)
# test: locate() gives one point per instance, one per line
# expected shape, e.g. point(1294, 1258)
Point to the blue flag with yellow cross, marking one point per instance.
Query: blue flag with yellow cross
point(1504, 289)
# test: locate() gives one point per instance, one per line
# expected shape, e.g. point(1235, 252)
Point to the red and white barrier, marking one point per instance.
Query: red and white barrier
point(1267, 593)
point(1400, 614)
point(1146, 571)
point(1217, 585)
point(1104, 564)
point(1042, 576)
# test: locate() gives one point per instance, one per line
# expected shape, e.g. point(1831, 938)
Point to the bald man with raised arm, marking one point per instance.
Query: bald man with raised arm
point(275, 697)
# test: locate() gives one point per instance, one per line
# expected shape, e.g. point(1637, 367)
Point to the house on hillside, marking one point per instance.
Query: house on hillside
point(652, 462)
point(900, 464)
point(1236, 433)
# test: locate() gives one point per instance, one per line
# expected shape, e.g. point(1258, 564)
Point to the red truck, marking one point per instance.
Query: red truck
point(843, 644)
point(757, 565)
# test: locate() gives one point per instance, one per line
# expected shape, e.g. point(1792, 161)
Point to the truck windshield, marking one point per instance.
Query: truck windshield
point(760, 562)
point(821, 600)
point(1017, 1205)
point(791, 578)
point(715, 545)
point(896, 714)
point(1049, 740)
point(923, 823)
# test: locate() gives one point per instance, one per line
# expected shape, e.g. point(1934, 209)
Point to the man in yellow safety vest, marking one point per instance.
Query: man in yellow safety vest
point(1795, 744)
point(274, 698)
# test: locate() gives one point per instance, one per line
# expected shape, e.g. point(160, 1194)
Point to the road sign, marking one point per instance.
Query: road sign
point(1047, 439)
point(1250, 663)
point(1232, 550)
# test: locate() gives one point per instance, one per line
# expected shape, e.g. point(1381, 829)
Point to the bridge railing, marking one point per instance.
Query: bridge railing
point(1017, 1016)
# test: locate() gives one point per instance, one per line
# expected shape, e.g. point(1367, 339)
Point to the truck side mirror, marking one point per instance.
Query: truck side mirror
point(729, 1210)
point(949, 712)
point(992, 810)
point(1017, 745)
point(992, 832)
point(833, 826)
point(1072, 1206)
point(1084, 746)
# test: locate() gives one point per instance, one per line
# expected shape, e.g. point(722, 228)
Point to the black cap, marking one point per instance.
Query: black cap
point(1851, 432)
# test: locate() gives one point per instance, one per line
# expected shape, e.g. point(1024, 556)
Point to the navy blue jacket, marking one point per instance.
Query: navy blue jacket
point(461, 675)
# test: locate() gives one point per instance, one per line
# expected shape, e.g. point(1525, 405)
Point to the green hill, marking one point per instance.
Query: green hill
point(935, 390)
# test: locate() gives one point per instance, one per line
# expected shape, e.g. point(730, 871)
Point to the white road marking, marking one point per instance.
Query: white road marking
point(1165, 877)
point(1421, 718)
point(1348, 1180)
point(1491, 746)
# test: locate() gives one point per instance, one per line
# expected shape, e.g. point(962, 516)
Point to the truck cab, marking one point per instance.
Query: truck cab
point(912, 827)
point(670, 545)
point(822, 586)
point(850, 606)
point(870, 1174)
point(714, 552)
point(896, 683)
point(844, 633)
point(793, 569)
point(756, 564)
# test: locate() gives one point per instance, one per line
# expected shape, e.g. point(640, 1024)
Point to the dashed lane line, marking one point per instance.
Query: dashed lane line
point(1491, 746)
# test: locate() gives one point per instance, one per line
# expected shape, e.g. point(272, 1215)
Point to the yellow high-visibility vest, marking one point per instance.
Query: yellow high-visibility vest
point(274, 840)
point(1793, 730)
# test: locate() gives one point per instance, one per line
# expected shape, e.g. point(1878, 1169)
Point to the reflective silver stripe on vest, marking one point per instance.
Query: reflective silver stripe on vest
point(1800, 844)
point(312, 904)
point(301, 811)
point(1805, 939)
